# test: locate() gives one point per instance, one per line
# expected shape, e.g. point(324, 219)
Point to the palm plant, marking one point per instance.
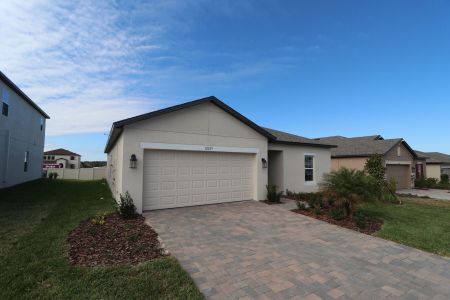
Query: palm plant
point(349, 187)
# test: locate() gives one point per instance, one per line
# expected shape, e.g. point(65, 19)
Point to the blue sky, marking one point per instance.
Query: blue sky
point(314, 68)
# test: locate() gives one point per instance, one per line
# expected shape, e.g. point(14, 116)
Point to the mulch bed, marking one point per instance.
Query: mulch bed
point(117, 242)
point(371, 227)
point(271, 203)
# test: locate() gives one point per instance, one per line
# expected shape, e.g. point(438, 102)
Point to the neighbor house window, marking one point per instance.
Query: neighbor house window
point(25, 161)
point(399, 151)
point(5, 102)
point(72, 166)
point(309, 168)
point(42, 123)
point(72, 158)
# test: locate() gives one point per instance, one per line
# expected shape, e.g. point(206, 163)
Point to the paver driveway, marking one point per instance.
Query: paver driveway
point(253, 250)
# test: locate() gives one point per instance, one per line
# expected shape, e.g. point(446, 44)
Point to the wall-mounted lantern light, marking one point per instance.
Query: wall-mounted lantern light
point(133, 161)
point(264, 163)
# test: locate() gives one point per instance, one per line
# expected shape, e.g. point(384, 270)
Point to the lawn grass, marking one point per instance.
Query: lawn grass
point(35, 219)
point(420, 223)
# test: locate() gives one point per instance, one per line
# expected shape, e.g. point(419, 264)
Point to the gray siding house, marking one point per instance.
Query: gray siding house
point(22, 135)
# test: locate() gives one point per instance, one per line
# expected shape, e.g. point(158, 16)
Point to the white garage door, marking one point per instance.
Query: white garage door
point(187, 178)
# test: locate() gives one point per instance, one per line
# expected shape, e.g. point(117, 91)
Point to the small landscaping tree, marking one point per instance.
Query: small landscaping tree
point(126, 207)
point(272, 193)
point(374, 167)
point(349, 187)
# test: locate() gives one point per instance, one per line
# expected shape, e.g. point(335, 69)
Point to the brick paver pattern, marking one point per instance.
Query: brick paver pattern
point(251, 250)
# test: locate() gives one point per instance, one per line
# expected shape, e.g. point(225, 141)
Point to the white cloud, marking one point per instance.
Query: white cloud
point(74, 60)
point(89, 63)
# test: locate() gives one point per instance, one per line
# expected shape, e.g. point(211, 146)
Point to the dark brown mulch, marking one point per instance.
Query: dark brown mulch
point(371, 227)
point(271, 203)
point(117, 242)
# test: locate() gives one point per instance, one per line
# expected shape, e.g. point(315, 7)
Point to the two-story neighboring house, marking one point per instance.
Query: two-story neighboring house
point(22, 135)
point(61, 159)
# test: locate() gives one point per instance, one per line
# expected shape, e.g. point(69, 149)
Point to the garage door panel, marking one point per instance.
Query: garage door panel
point(401, 175)
point(184, 178)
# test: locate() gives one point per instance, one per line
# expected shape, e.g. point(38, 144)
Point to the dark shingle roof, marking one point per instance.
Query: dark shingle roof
point(60, 151)
point(18, 91)
point(434, 157)
point(361, 146)
point(289, 138)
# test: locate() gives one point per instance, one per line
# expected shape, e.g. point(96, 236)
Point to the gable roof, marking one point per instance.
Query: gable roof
point(363, 146)
point(117, 127)
point(272, 135)
point(289, 138)
point(434, 157)
point(18, 91)
point(61, 151)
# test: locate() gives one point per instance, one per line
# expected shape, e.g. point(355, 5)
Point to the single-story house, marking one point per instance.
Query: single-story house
point(22, 135)
point(437, 163)
point(401, 162)
point(204, 152)
point(61, 159)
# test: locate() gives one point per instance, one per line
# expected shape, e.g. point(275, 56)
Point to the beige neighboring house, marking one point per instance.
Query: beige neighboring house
point(401, 162)
point(437, 163)
point(61, 159)
point(205, 152)
point(22, 135)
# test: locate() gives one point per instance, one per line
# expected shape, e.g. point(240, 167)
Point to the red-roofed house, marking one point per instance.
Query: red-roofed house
point(61, 158)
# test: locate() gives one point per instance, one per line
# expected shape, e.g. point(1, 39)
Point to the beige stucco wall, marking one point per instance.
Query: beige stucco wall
point(275, 171)
point(355, 163)
point(96, 173)
point(434, 171)
point(20, 131)
point(204, 124)
point(293, 171)
point(114, 171)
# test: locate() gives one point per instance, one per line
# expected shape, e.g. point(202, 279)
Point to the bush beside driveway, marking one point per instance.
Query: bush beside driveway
point(35, 219)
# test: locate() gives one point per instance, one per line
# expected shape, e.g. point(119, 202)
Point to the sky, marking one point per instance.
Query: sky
point(312, 68)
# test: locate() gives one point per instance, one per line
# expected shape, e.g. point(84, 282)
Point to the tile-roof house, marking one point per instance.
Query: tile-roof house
point(22, 135)
point(61, 158)
point(402, 163)
point(437, 163)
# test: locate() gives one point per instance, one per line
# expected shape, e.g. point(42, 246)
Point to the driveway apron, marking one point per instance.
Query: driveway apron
point(252, 250)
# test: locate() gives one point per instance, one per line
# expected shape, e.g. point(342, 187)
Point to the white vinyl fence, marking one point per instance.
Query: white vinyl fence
point(80, 174)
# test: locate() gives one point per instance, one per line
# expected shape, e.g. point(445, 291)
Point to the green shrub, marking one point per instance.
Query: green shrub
point(272, 193)
point(55, 175)
point(349, 187)
point(374, 166)
point(317, 209)
point(313, 199)
point(99, 219)
point(126, 207)
point(360, 219)
point(444, 178)
point(337, 213)
point(50, 175)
